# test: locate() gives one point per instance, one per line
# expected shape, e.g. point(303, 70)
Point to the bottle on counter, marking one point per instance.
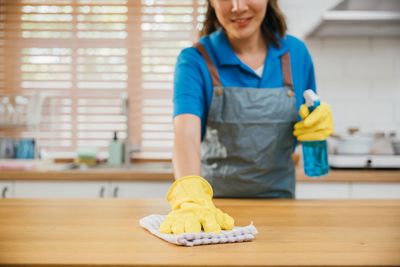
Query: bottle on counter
point(315, 153)
point(115, 151)
point(25, 148)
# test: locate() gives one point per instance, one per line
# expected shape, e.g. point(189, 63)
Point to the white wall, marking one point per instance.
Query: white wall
point(359, 77)
point(301, 15)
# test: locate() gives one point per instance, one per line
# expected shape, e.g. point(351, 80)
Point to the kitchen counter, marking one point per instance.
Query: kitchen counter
point(163, 171)
point(291, 233)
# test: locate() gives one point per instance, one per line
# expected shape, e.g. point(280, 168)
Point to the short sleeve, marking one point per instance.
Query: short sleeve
point(188, 96)
point(309, 76)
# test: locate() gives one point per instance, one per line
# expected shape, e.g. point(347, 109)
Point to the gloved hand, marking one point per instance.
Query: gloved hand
point(192, 207)
point(314, 126)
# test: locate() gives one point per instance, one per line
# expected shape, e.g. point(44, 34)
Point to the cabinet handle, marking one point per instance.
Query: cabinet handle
point(102, 192)
point(4, 192)
point(115, 193)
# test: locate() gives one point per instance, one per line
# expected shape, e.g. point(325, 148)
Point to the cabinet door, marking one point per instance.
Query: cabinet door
point(322, 191)
point(375, 190)
point(139, 189)
point(6, 189)
point(61, 189)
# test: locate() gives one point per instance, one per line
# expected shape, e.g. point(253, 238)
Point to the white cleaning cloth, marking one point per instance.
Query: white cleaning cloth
point(237, 234)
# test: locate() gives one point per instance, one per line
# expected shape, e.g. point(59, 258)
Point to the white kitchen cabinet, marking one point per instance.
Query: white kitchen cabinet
point(375, 190)
point(322, 191)
point(139, 189)
point(158, 189)
point(6, 189)
point(61, 189)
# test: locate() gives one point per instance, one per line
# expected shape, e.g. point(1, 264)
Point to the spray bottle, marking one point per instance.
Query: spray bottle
point(315, 153)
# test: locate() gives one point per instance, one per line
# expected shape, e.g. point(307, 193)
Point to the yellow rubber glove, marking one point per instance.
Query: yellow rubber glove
point(314, 126)
point(192, 207)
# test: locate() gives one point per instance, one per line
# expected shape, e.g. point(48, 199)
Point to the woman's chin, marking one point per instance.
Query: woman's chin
point(242, 34)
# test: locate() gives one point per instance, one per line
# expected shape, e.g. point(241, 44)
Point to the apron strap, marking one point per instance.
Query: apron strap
point(286, 67)
point(286, 70)
point(211, 67)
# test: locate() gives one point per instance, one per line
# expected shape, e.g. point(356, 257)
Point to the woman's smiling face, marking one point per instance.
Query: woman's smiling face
point(240, 18)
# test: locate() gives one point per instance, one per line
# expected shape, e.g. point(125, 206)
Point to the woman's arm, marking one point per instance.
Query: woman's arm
point(186, 151)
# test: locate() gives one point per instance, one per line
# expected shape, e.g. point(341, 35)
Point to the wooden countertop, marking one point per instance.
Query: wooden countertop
point(291, 233)
point(163, 171)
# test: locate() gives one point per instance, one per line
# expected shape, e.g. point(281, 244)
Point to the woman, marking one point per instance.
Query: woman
point(236, 98)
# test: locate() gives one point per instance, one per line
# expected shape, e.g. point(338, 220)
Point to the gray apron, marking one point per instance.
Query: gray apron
point(247, 148)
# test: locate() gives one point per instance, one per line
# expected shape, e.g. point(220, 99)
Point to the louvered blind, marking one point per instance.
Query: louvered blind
point(84, 54)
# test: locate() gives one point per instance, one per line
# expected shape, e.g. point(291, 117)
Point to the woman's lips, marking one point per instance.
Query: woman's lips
point(242, 22)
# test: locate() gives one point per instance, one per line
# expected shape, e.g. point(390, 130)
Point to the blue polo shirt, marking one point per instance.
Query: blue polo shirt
point(193, 87)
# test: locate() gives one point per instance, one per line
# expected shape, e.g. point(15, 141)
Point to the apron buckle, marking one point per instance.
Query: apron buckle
point(290, 93)
point(218, 91)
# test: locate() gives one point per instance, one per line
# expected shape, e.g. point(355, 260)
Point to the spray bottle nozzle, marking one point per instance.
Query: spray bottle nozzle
point(312, 99)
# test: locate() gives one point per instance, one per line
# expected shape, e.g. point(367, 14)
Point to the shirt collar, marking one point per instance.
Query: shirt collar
point(224, 52)
point(222, 49)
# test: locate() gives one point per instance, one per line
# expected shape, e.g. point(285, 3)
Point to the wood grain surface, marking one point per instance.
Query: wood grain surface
point(291, 233)
point(162, 171)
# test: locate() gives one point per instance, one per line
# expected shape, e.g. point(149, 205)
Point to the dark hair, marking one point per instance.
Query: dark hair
point(274, 23)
